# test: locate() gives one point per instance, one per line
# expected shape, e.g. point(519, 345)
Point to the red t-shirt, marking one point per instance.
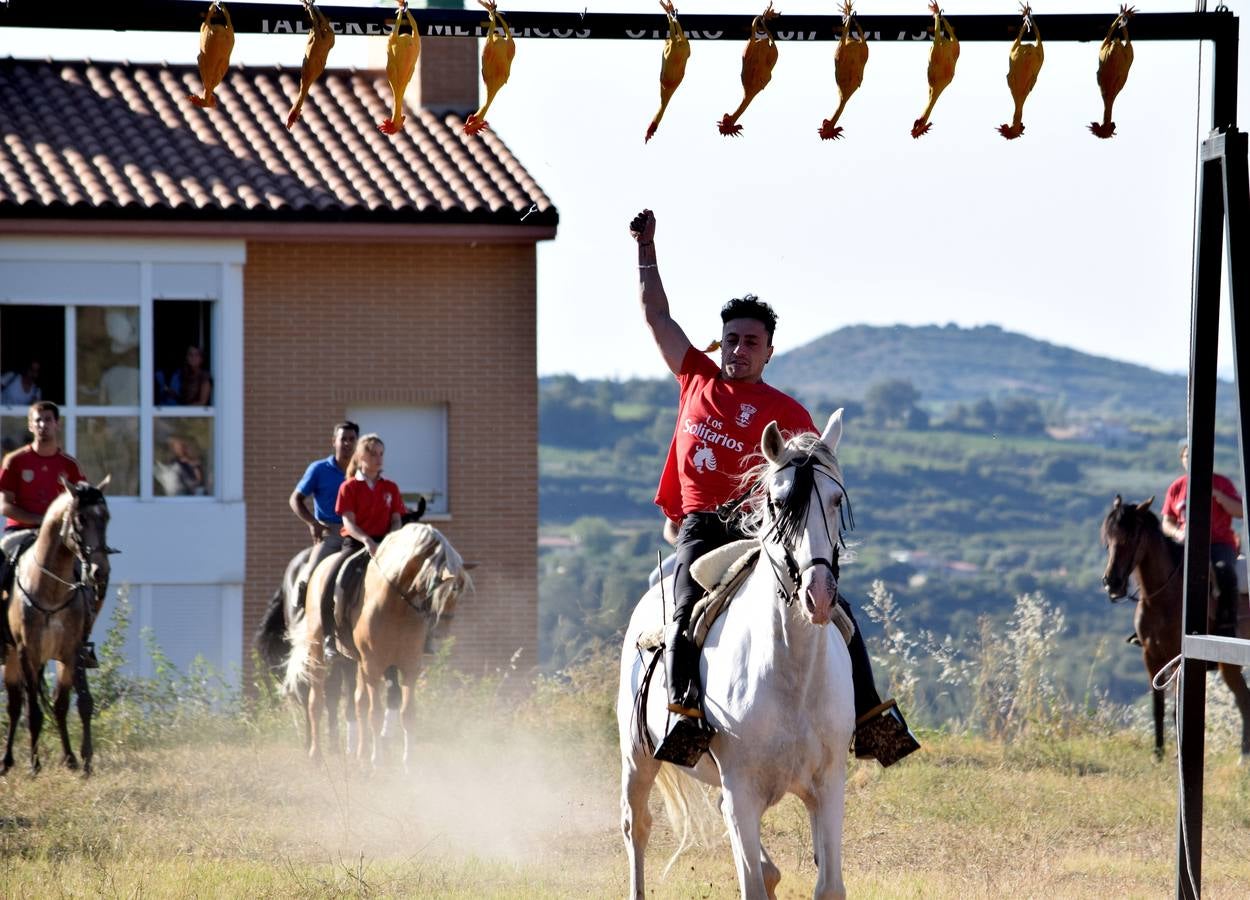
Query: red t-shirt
point(1222, 531)
point(372, 506)
point(719, 426)
point(33, 479)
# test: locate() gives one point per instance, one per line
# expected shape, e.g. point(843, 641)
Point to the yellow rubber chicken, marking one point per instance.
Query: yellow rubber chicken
point(216, 43)
point(672, 67)
point(848, 70)
point(320, 40)
point(402, 51)
point(942, 59)
point(1115, 58)
point(1026, 62)
point(496, 65)
point(758, 60)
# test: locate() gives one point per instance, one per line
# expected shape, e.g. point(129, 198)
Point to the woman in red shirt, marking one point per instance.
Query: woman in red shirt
point(371, 507)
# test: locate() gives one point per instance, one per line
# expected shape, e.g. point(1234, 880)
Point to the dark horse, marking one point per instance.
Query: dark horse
point(1136, 545)
point(273, 645)
point(58, 588)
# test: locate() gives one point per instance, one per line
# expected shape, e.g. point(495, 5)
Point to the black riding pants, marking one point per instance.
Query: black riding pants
point(700, 533)
point(1224, 564)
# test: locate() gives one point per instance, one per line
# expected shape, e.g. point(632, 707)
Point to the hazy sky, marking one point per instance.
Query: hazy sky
point(1058, 235)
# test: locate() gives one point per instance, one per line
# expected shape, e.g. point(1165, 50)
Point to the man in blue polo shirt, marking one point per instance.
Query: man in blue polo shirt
point(321, 482)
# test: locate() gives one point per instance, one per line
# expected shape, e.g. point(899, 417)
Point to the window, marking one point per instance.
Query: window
point(133, 379)
point(416, 449)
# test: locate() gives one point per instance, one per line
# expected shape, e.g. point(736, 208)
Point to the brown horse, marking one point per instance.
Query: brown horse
point(50, 614)
point(1137, 545)
point(410, 590)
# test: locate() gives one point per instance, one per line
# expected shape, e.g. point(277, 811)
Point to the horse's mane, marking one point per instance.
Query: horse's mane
point(803, 447)
point(440, 572)
point(1116, 514)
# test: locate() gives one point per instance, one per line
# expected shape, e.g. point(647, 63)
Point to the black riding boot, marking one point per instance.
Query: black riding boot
point(329, 647)
point(688, 735)
point(681, 670)
point(881, 733)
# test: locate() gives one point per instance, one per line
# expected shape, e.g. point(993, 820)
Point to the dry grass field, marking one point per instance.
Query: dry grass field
point(514, 794)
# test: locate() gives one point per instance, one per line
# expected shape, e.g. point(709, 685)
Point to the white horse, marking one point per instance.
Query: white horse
point(777, 685)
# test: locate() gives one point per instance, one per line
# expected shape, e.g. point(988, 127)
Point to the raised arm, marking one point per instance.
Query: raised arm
point(668, 335)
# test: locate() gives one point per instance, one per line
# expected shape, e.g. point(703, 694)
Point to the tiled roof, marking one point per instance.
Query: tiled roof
point(115, 140)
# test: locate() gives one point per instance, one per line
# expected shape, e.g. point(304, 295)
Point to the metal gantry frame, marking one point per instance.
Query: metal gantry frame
point(1223, 212)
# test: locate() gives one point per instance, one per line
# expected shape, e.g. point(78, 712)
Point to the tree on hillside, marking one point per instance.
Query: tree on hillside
point(984, 415)
point(889, 402)
point(1020, 415)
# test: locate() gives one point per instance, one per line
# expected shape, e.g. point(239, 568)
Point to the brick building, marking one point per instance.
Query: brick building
point(325, 272)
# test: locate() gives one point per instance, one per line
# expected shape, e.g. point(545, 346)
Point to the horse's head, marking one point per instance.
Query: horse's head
point(802, 514)
point(1122, 531)
point(421, 564)
point(84, 530)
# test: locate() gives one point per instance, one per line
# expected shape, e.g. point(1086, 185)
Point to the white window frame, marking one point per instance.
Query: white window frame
point(436, 451)
point(131, 284)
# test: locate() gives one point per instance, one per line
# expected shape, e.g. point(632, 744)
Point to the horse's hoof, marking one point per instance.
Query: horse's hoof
point(71, 762)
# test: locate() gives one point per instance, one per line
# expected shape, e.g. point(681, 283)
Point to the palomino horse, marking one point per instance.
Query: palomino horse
point(777, 685)
point(50, 613)
point(1137, 545)
point(410, 589)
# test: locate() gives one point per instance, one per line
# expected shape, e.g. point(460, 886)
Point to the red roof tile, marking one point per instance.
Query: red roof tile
point(120, 141)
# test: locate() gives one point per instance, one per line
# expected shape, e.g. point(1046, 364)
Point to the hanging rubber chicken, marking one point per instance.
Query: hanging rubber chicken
point(942, 59)
point(758, 60)
point(1026, 62)
point(848, 70)
point(673, 66)
point(320, 40)
point(1115, 57)
point(216, 42)
point(402, 51)
point(496, 65)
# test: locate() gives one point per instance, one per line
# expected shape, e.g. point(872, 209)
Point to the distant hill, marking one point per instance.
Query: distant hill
point(949, 365)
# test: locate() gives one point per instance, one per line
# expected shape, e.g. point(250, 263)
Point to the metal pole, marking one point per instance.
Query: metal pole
point(1204, 336)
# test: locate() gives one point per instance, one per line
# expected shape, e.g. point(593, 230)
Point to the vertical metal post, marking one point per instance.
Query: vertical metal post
point(1237, 220)
point(1203, 349)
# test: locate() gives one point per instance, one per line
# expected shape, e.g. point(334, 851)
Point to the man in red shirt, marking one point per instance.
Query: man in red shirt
point(29, 482)
point(721, 417)
point(1225, 506)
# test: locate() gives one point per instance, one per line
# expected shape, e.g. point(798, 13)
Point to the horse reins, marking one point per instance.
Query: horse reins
point(1136, 595)
point(72, 539)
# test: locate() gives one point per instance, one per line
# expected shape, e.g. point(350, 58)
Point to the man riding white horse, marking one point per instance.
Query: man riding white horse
point(722, 414)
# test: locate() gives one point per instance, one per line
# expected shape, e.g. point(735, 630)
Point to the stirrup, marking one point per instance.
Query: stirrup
point(687, 740)
point(883, 735)
point(690, 712)
point(86, 655)
point(329, 649)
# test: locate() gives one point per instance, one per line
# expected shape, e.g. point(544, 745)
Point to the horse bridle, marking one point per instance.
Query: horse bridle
point(71, 536)
point(791, 568)
point(1136, 595)
point(426, 608)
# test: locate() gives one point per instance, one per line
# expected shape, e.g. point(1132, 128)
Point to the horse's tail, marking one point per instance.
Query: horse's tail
point(688, 808)
point(299, 661)
point(270, 640)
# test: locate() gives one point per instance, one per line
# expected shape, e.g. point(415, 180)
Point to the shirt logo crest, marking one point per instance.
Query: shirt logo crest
point(745, 412)
point(704, 458)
